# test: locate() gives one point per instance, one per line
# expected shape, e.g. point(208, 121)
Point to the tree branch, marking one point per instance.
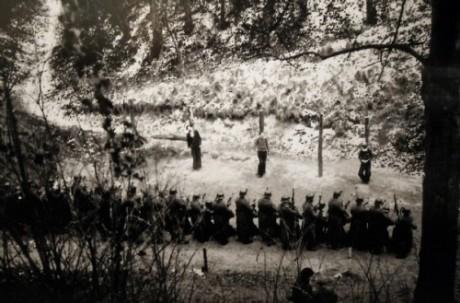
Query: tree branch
point(405, 48)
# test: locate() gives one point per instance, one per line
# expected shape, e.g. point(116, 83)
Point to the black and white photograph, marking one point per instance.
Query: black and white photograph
point(212, 151)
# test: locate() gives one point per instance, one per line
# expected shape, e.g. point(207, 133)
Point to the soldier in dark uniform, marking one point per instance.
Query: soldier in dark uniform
point(337, 218)
point(402, 234)
point(289, 218)
point(321, 222)
point(358, 226)
point(176, 216)
point(268, 227)
point(302, 291)
point(195, 210)
point(309, 217)
point(378, 224)
point(365, 157)
point(205, 225)
point(222, 216)
point(245, 214)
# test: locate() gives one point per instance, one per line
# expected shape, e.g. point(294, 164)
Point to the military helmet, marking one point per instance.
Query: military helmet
point(309, 198)
point(173, 191)
point(378, 202)
point(195, 197)
point(267, 194)
point(337, 193)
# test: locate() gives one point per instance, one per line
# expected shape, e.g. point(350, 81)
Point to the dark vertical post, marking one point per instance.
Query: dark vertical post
point(261, 121)
point(205, 260)
point(366, 130)
point(320, 147)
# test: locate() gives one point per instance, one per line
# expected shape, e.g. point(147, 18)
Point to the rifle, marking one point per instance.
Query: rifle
point(229, 201)
point(319, 206)
point(396, 207)
point(347, 204)
point(293, 197)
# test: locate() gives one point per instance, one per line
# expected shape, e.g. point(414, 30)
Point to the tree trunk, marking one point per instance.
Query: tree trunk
point(320, 146)
point(371, 13)
point(222, 13)
point(440, 93)
point(16, 142)
point(238, 6)
point(268, 12)
point(157, 28)
point(188, 22)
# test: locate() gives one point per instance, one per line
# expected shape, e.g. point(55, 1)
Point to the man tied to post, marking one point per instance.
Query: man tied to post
point(365, 157)
point(262, 153)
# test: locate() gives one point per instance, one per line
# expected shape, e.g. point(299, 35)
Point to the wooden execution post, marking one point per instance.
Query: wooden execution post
point(261, 121)
point(205, 260)
point(366, 129)
point(320, 146)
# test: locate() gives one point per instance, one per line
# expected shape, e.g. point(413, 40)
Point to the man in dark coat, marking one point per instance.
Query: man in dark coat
point(289, 218)
point(309, 217)
point(195, 210)
point(337, 218)
point(402, 234)
point(245, 214)
point(268, 227)
point(262, 153)
point(222, 216)
point(378, 224)
point(358, 226)
point(365, 157)
point(194, 143)
point(205, 225)
point(302, 291)
point(176, 216)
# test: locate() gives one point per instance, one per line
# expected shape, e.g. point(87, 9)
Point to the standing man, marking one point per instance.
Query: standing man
point(194, 143)
point(358, 227)
point(262, 153)
point(245, 214)
point(176, 217)
point(222, 216)
point(338, 217)
point(289, 217)
point(268, 227)
point(365, 157)
point(378, 224)
point(309, 224)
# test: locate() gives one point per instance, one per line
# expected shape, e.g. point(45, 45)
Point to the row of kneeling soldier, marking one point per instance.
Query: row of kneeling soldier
point(106, 212)
point(330, 224)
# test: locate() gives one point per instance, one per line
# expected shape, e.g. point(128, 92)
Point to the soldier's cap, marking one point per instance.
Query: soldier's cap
point(267, 194)
point(309, 198)
point(405, 211)
point(220, 196)
point(285, 199)
point(364, 145)
point(243, 193)
point(306, 273)
point(337, 193)
point(172, 191)
point(208, 205)
point(195, 197)
point(378, 202)
point(359, 200)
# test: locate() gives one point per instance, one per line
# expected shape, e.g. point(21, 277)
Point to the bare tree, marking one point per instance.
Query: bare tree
point(188, 20)
point(157, 28)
